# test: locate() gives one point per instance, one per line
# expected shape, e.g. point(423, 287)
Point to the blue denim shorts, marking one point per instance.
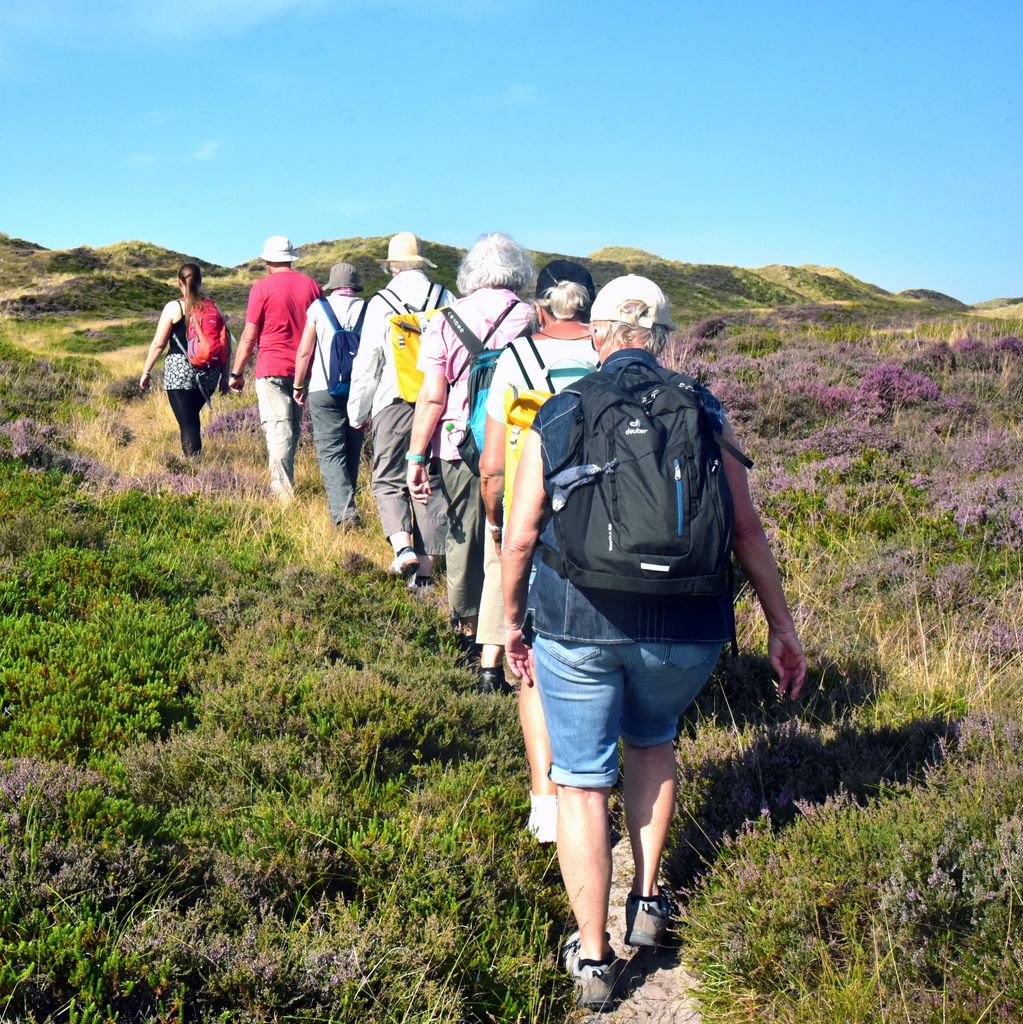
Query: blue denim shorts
point(594, 694)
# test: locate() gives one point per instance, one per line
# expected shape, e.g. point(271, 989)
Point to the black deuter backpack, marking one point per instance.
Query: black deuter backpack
point(641, 504)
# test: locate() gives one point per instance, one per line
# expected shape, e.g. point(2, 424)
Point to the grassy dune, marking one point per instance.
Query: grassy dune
point(244, 776)
point(127, 277)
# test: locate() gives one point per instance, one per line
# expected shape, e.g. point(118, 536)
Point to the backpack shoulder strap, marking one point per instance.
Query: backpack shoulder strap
point(383, 293)
point(471, 343)
point(543, 367)
point(331, 315)
point(362, 316)
point(436, 290)
point(497, 323)
point(177, 341)
point(514, 348)
point(715, 413)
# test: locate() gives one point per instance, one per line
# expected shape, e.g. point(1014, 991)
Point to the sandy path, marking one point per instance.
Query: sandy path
point(656, 986)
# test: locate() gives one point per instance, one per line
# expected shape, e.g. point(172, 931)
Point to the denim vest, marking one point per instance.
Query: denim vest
point(562, 611)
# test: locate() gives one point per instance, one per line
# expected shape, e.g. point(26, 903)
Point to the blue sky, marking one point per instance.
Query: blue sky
point(884, 138)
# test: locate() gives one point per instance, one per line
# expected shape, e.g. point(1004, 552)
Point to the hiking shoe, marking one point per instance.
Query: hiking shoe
point(492, 681)
point(594, 979)
point(646, 919)
point(405, 564)
point(543, 818)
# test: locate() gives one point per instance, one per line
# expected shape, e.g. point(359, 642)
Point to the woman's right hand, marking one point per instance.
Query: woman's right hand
point(144, 381)
point(417, 479)
point(788, 659)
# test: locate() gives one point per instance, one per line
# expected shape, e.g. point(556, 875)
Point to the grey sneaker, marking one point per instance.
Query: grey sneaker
point(646, 919)
point(594, 979)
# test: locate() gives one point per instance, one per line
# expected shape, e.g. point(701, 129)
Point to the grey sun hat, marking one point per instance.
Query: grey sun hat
point(278, 249)
point(632, 288)
point(343, 275)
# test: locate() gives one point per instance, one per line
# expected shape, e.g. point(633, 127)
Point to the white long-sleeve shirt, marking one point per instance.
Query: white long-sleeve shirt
point(374, 378)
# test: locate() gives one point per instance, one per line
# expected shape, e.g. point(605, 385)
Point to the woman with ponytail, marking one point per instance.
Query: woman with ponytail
point(188, 388)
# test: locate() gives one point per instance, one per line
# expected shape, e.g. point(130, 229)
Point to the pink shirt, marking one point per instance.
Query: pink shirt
point(277, 306)
point(441, 352)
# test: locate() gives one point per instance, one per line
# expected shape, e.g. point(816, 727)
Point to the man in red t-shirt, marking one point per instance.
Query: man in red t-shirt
point(274, 319)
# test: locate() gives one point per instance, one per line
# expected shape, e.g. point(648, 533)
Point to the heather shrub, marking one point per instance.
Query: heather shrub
point(261, 785)
point(235, 421)
point(127, 389)
point(893, 386)
point(77, 862)
point(1009, 345)
point(918, 906)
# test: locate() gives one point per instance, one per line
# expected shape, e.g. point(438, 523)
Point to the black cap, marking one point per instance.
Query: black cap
point(564, 270)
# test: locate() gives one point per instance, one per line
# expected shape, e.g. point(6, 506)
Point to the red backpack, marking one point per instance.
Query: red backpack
point(207, 336)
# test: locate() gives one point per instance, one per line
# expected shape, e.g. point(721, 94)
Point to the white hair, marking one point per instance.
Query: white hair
point(621, 335)
point(397, 266)
point(567, 300)
point(495, 261)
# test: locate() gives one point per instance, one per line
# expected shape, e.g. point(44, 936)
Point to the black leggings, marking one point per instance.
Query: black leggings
point(186, 406)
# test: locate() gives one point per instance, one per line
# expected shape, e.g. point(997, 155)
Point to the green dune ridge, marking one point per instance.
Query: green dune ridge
point(133, 276)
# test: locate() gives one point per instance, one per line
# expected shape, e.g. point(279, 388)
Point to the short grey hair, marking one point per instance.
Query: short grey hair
point(397, 266)
point(622, 335)
point(495, 261)
point(567, 300)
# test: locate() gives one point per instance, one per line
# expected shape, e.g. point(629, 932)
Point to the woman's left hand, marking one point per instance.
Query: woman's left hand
point(144, 381)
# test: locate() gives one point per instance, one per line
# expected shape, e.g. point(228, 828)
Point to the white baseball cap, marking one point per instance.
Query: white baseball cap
point(632, 288)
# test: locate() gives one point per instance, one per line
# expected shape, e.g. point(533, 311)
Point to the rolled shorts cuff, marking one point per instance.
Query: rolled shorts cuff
point(666, 736)
point(583, 780)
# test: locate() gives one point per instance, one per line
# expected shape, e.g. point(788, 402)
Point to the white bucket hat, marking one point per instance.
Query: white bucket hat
point(404, 248)
point(632, 288)
point(278, 249)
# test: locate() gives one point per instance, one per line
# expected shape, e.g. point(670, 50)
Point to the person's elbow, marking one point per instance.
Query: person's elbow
point(491, 463)
point(748, 536)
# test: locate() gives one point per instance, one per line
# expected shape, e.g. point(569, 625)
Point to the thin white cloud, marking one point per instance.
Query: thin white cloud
point(207, 151)
point(141, 160)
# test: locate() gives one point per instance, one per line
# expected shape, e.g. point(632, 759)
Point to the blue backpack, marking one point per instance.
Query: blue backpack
point(481, 366)
point(343, 346)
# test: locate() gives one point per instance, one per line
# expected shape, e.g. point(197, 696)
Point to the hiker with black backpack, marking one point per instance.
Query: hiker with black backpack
point(195, 334)
point(633, 484)
point(385, 383)
point(530, 370)
point(457, 357)
point(323, 374)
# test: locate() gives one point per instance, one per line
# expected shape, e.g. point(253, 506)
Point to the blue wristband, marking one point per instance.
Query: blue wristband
point(410, 457)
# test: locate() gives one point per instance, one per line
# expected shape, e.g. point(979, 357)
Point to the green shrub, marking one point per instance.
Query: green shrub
point(907, 900)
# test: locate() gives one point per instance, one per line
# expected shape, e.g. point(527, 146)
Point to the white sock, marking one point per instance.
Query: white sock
point(543, 817)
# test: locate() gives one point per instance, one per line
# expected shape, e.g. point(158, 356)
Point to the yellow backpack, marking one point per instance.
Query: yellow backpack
point(406, 329)
point(521, 405)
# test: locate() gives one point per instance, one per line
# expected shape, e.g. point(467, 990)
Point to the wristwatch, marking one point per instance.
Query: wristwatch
point(495, 530)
